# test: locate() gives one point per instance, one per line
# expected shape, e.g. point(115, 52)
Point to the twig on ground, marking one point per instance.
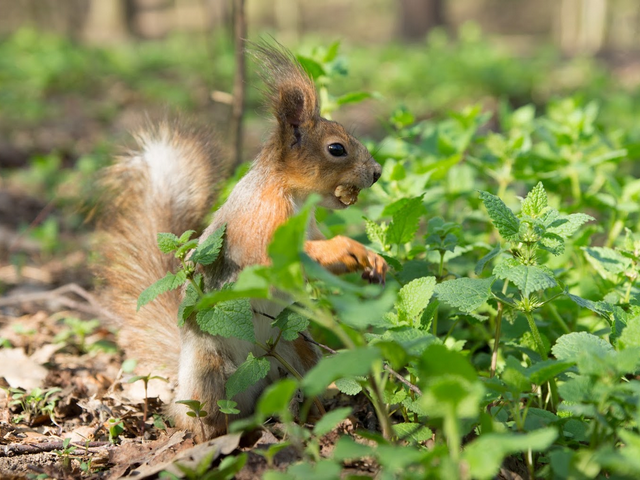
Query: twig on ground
point(30, 448)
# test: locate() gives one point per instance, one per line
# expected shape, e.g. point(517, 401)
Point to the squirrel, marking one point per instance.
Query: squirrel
point(167, 184)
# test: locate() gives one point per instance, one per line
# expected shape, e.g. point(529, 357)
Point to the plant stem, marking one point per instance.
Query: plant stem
point(270, 352)
point(380, 408)
point(496, 340)
point(536, 335)
point(554, 313)
point(441, 266)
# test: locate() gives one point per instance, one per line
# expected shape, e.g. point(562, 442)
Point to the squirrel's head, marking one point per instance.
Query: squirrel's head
point(314, 154)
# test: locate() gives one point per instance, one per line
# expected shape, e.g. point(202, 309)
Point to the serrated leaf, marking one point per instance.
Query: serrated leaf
point(404, 223)
point(485, 455)
point(376, 233)
point(528, 278)
point(497, 250)
point(502, 217)
point(414, 431)
point(233, 318)
point(170, 281)
point(290, 323)
point(348, 386)
point(250, 372)
point(552, 243)
point(330, 419)
point(189, 301)
point(167, 242)
point(358, 314)
point(630, 336)
point(607, 261)
point(570, 346)
point(414, 297)
point(465, 294)
point(566, 225)
point(601, 308)
point(208, 250)
point(535, 202)
point(186, 236)
point(349, 363)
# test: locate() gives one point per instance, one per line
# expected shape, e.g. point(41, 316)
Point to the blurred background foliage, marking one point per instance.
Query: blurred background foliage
point(78, 76)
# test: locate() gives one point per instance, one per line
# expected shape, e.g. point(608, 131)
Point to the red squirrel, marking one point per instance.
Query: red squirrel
point(167, 185)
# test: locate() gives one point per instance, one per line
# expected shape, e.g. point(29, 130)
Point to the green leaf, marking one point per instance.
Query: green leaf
point(168, 242)
point(438, 360)
point(503, 218)
point(170, 281)
point(332, 52)
point(570, 346)
point(497, 250)
point(360, 315)
point(353, 97)
point(608, 262)
point(208, 250)
point(291, 323)
point(566, 225)
point(348, 386)
point(276, 397)
point(414, 431)
point(330, 419)
point(630, 336)
point(188, 304)
point(348, 363)
point(465, 294)
point(376, 233)
point(233, 318)
point(249, 373)
point(404, 223)
point(535, 202)
point(414, 297)
point(228, 407)
point(528, 278)
point(313, 68)
point(544, 371)
point(184, 238)
point(485, 455)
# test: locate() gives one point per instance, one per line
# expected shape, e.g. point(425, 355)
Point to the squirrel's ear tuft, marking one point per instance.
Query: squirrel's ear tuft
point(291, 93)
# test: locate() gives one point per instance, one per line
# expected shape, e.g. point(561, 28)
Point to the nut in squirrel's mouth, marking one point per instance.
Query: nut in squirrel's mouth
point(347, 194)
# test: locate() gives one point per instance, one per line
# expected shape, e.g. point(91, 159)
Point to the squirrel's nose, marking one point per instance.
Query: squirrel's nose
point(377, 172)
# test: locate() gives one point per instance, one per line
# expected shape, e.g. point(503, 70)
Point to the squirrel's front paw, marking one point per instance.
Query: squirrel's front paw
point(377, 269)
point(342, 254)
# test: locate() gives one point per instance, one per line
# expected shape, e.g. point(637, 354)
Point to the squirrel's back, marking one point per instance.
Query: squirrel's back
point(165, 184)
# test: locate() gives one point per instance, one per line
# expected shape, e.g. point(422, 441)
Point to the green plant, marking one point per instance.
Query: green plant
point(196, 410)
point(115, 428)
point(145, 379)
point(33, 404)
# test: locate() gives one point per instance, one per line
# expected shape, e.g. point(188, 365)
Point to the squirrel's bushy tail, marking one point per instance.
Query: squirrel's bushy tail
point(165, 185)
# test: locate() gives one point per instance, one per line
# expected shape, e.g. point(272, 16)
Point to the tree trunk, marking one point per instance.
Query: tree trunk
point(417, 17)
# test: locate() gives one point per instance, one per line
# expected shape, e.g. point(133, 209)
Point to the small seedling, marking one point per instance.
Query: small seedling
point(76, 333)
point(65, 453)
point(146, 379)
point(195, 411)
point(115, 427)
point(33, 404)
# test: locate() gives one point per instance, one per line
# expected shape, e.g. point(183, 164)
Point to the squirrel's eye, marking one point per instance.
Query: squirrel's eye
point(337, 150)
